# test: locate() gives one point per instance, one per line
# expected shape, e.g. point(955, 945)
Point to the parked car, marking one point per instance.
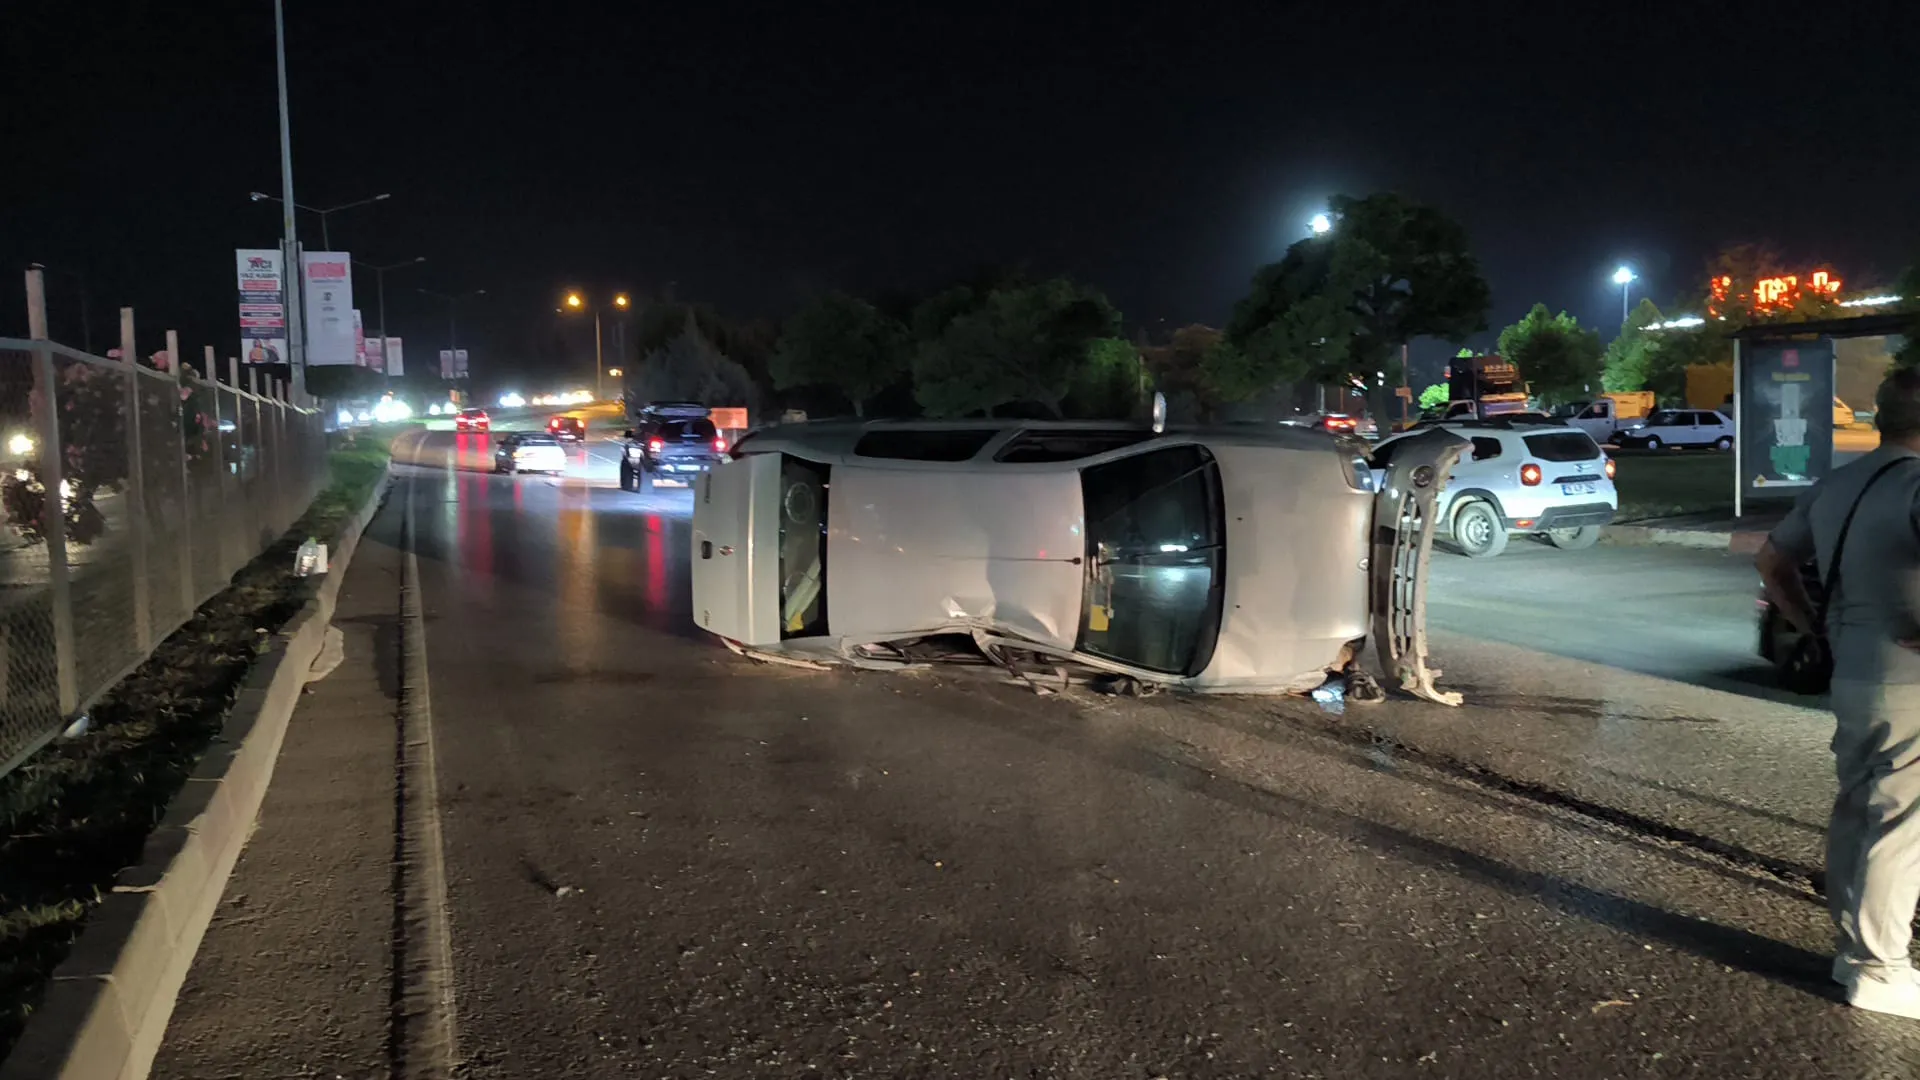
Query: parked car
point(671, 443)
point(529, 451)
point(1521, 478)
point(567, 428)
point(1606, 417)
point(1842, 413)
point(1680, 428)
point(472, 420)
point(1334, 423)
point(1244, 558)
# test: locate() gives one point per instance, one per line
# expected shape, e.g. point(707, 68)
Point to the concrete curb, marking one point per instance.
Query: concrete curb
point(1743, 542)
point(107, 1007)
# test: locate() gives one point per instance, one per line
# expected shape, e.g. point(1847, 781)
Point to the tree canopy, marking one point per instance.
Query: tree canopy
point(1629, 358)
point(690, 368)
point(843, 342)
point(1020, 345)
point(1559, 359)
point(1343, 303)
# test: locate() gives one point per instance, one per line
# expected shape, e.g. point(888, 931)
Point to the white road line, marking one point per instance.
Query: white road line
point(428, 1036)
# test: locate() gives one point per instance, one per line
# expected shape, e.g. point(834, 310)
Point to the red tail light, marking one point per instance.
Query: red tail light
point(1611, 468)
point(719, 446)
point(1530, 475)
point(655, 445)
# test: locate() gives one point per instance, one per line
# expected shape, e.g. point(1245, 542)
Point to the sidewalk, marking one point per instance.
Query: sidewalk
point(297, 964)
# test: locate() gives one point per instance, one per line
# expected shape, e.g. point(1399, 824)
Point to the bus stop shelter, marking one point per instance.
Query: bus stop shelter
point(1784, 384)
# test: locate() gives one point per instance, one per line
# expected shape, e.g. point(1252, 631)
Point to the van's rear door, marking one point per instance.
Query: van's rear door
point(736, 550)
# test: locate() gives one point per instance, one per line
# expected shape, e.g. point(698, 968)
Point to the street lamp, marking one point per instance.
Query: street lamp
point(380, 277)
point(326, 241)
point(453, 302)
point(575, 302)
point(1624, 277)
point(1320, 225)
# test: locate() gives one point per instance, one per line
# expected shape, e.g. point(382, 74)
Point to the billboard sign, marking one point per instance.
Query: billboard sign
point(359, 340)
point(376, 355)
point(1786, 415)
point(263, 305)
point(328, 280)
point(446, 363)
point(459, 363)
point(395, 364)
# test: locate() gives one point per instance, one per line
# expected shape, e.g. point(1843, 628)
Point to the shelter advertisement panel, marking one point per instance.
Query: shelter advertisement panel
point(1786, 415)
point(328, 277)
point(263, 305)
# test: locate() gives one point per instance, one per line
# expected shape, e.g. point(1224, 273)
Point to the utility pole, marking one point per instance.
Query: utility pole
point(296, 323)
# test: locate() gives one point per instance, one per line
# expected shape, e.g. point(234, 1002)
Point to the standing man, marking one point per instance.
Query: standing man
point(1873, 622)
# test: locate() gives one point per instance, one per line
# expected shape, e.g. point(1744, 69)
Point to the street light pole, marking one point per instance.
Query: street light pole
point(326, 239)
point(380, 286)
point(576, 303)
point(453, 303)
point(296, 329)
point(1624, 277)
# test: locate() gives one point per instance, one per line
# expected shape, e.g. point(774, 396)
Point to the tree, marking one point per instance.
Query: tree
point(1559, 359)
point(689, 368)
point(1020, 345)
point(842, 342)
point(1110, 383)
point(1625, 366)
point(1180, 369)
point(1435, 396)
point(1343, 304)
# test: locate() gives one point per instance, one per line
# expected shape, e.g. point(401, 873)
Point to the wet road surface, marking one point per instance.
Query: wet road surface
point(664, 860)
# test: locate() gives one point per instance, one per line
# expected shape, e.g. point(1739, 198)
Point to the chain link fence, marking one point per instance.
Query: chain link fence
point(129, 494)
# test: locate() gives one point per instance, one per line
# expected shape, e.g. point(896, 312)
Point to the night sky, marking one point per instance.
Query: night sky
point(751, 154)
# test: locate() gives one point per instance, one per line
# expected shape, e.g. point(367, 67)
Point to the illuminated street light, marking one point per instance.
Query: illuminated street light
point(1624, 277)
point(614, 372)
point(20, 445)
point(1320, 224)
point(575, 302)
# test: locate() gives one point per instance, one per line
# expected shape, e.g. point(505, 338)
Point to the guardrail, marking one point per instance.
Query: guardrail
point(167, 481)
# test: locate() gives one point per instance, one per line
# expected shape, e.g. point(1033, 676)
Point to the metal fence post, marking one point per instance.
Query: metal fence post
point(54, 523)
point(189, 596)
point(281, 521)
point(136, 494)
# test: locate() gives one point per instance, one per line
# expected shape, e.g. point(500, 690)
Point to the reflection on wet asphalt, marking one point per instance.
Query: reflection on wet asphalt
point(771, 872)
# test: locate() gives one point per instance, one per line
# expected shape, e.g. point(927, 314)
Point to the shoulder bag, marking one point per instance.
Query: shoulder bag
point(1809, 667)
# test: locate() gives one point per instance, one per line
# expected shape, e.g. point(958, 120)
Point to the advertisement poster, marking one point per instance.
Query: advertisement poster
point(376, 355)
point(1786, 415)
point(395, 365)
point(328, 277)
point(459, 363)
point(359, 340)
point(446, 363)
point(263, 306)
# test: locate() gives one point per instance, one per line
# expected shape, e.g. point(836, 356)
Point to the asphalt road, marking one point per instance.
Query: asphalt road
point(667, 861)
point(1677, 613)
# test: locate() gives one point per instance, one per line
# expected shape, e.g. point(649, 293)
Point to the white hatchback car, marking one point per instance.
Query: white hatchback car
point(1676, 428)
point(1546, 480)
point(1237, 559)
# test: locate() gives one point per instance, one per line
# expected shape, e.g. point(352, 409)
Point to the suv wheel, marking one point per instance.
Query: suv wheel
point(1478, 531)
point(626, 474)
point(1578, 538)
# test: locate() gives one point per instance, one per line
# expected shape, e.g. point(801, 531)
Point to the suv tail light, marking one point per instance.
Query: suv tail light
point(1611, 468)
point(719, 446)
point(655, 445)
point(1530, 475)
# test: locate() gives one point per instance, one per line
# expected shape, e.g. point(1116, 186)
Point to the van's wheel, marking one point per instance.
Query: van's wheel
point(1578, 538)
point(1478, 531)
point(1723, 443)
point(626, 475)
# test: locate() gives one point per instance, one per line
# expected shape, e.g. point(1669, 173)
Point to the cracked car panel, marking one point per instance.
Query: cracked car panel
point(1405, 515)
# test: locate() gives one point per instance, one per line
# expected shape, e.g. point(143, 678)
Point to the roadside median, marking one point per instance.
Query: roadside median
point(119, 842)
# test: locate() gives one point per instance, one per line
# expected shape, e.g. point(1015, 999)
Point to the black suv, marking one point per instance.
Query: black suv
point(670, 442)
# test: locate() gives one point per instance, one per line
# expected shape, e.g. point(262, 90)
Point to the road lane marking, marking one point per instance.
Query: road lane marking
point(424, 1043)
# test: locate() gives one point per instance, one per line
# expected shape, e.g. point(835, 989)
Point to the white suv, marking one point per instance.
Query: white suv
point(1535, 479)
